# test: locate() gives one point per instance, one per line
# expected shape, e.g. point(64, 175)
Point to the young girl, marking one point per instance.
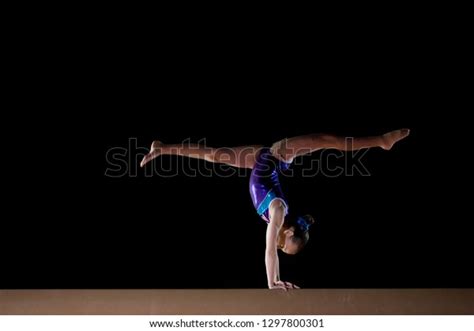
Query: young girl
point(283, 232)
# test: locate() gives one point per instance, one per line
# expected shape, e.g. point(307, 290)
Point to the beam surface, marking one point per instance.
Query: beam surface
point(239, 301)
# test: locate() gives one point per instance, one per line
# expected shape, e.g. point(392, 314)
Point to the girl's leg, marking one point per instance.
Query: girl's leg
point(287, 149)
point(240, 157)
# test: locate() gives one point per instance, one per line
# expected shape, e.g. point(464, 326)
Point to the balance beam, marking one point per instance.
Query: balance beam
point(238, 301)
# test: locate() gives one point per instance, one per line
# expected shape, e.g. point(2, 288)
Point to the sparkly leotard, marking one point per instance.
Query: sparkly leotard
point(264, 182)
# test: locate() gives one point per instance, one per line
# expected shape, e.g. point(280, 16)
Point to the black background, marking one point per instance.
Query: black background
point(75, 227)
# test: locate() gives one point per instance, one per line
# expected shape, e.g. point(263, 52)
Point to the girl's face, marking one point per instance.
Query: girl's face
point(286, 244)
point(290, 247)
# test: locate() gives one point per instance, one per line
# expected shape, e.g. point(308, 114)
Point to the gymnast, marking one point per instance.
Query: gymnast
point(285, 232)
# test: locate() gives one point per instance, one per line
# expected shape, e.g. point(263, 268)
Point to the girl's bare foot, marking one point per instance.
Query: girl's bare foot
point(155, 151)
point(389, 139)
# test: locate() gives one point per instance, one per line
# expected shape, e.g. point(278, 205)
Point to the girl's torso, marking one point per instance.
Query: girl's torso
point(265, 183)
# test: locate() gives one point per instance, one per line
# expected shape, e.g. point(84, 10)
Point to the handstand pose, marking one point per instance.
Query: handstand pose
point(283, 232)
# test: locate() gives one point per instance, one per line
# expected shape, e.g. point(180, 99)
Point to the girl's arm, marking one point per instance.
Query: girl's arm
point(271, 255)
point(277, 269)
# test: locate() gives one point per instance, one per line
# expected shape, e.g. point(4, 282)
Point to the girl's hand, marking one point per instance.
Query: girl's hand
point(282, 285)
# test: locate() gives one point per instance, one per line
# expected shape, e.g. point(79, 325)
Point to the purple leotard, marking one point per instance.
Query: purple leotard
point(264, 182)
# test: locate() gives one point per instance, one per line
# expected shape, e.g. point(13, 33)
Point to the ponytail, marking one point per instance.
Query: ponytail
point(304, 222)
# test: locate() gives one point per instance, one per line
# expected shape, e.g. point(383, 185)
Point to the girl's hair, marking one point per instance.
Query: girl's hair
point(301, 225)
